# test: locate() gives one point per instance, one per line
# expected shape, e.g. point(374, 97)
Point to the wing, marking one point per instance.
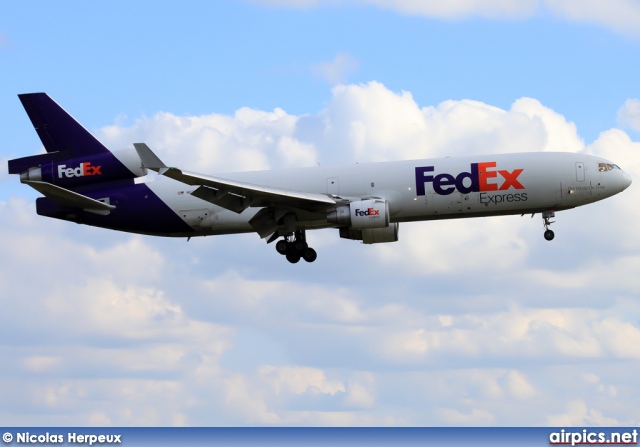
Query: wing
point(233, 195)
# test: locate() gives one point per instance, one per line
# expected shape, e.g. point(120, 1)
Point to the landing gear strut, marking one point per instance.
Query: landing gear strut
point(546, 215)
point(294, 246)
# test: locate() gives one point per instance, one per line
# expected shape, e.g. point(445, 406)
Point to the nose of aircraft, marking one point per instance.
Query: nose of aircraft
point(626, 180)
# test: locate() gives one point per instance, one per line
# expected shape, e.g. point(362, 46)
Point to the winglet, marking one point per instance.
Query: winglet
point(149, 159)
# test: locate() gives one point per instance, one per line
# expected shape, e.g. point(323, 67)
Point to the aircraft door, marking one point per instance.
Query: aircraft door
point(333, 186)
point(580, 171)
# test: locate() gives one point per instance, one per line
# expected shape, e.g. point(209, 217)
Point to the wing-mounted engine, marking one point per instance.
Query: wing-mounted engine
point(361, 214)
point(372, 235)
point(366, 221)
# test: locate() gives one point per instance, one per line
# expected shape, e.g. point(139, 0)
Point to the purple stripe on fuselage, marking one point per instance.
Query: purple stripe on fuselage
point(138, 210)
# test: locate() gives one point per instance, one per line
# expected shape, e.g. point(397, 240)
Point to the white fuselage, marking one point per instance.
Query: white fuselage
point(421, 189)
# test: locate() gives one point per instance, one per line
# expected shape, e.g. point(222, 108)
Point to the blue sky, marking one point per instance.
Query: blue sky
point(198, 58)
point(475, 322)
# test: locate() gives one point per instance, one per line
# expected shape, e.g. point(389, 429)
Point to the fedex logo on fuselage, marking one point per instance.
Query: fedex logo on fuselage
point(85, 169)
point(367, 212)
point(482, 178)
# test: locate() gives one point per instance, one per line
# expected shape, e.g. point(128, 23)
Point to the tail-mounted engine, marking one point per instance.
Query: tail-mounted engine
point(82, 170)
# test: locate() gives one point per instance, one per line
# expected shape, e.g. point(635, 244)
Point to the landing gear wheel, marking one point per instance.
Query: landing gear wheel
point(294, 246)
point(300, 246)
point(293, 257)
point(310, 255)
point(546, 221)
point(282, 247)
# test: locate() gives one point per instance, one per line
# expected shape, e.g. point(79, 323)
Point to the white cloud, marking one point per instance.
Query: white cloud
point(548, 334)
point(476, 416)
point(622, 16)
point(629, 114)
point(299, 380)
point(578, 414)
point(518, 385)
point(455, 9)
point(372, 123)
point(337, 70)
point(361, 391)
point(250, 140)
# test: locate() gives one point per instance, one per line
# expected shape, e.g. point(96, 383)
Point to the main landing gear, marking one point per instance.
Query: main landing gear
point(546, 215)
point(294, 246)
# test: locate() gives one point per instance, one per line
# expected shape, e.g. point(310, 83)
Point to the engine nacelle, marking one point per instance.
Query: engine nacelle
point(93, 168)
point(361, 215)
point(373, 235)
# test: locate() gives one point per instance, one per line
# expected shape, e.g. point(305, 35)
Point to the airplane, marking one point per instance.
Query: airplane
point(84, 182)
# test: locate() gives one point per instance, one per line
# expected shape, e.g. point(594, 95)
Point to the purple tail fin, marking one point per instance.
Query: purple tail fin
point(63, 137)
point(57, 129)
point(74, 157)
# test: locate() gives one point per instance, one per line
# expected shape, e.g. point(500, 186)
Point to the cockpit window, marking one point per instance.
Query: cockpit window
point(607, 167)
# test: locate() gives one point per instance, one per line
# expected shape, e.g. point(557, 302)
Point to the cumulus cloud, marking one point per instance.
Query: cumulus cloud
point(250, 140)
point(459, 323)
point(363, 122)
point(371, 123)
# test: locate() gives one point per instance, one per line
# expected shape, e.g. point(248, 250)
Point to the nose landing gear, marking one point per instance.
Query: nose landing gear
point(546, 215)
point(294, 246)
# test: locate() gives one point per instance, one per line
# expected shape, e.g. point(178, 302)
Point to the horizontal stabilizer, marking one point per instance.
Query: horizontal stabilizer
point(64, 197)
point(20, 165)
